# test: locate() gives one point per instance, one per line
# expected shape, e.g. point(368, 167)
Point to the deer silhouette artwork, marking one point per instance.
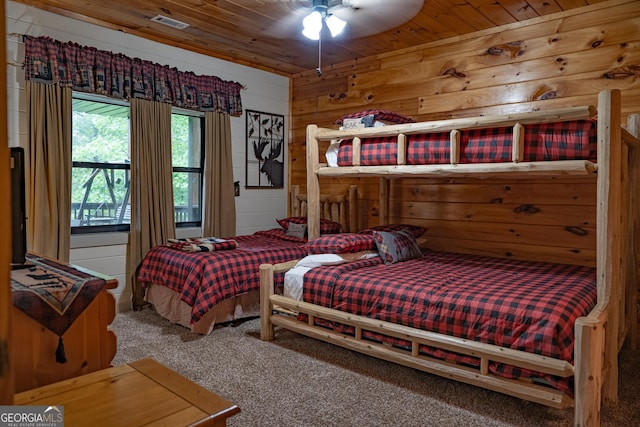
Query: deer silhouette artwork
point(271, 167)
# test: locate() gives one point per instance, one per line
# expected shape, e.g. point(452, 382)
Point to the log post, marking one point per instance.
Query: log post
point(266, 290)
point(589, 352)
point(609, 239)
point(313, 183)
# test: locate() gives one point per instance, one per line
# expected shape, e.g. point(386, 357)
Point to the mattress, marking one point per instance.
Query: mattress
point(523, 305)
point(571, 140)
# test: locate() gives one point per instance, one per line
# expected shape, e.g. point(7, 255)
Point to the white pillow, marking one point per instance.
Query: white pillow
point(317, 260)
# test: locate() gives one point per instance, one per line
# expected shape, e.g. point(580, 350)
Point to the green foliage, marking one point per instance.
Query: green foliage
point(103, 137)
point(100, 138)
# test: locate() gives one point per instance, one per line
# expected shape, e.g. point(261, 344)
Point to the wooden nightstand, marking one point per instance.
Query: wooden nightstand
point(144, 392)
point(89, 343)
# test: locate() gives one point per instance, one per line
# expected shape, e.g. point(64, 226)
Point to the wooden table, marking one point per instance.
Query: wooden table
point(144, 392)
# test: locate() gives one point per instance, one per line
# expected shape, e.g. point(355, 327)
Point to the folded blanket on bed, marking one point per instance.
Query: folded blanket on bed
point(294, 278)
point(203, 244)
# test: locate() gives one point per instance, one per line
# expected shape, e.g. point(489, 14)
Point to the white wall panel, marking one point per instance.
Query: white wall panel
point(265, 92)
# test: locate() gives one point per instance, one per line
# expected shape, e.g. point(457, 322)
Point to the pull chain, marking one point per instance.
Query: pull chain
point(319, 69)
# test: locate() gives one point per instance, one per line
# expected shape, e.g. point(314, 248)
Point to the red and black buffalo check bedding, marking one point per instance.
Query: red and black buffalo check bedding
point(528, 306)
point(203, 279)
point(572, 140)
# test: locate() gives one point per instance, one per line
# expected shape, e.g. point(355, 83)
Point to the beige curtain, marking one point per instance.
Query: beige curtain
point(49, 170)
point(219, 198)
point(152, 217)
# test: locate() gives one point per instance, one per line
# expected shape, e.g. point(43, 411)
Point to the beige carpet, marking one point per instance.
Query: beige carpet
point(298, 381)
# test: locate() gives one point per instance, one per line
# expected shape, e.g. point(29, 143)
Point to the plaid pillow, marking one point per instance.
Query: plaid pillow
point(326, 226)
point(386, 115)
point(396, 246)
point(340, 243)
point(415, 230)
point(296, 230)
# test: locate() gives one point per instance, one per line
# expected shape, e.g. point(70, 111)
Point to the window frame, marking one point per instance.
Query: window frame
point(119, 228)
point(112, 228)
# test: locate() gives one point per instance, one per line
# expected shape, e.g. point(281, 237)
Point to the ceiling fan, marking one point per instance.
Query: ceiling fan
point(345, 19)
point(348, 19)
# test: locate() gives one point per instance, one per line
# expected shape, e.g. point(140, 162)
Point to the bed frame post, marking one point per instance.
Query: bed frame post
point(609, 236)
point(313, 183)
point(589, 353)
point(266, 290)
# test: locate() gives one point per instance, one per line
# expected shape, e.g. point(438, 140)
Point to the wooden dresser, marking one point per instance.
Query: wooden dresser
point(142, 393)
point(89, 344)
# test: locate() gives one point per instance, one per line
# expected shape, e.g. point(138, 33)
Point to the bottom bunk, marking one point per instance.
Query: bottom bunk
point(501, 323)
point(504, 325)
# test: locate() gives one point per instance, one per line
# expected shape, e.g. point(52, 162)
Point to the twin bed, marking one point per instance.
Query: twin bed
point(538, 330)
point(198, 289)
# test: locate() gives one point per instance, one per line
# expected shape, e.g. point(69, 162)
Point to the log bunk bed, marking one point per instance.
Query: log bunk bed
point(598, 335)
point(184, 287)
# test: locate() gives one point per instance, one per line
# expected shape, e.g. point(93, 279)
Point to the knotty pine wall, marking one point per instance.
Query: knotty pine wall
point(560, 60)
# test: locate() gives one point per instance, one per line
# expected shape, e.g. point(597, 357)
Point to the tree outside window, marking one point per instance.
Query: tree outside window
point(100, 193)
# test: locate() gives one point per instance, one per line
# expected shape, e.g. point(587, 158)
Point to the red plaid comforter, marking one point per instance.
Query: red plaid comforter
point(572, 140)
point(522, 305)
point(203, 279)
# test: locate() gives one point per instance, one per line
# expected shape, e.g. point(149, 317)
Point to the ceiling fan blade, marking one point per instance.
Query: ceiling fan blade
point(363, 17)
point(286, 16)
point(367, 17)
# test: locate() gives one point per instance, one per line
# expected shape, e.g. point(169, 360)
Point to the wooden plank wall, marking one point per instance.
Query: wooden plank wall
point(559, 60)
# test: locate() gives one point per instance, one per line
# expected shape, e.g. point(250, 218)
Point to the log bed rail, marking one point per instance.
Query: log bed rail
point(455, 168)
point(598, 336)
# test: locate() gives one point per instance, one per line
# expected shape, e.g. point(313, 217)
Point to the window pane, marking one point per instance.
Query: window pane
point(100, 132)
point(186, 141)
point(100, 173)
point(187, 196)
point(186, 156)
point(100, 197)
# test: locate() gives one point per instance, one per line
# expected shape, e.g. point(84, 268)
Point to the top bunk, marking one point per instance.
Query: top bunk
point(606, 153)
point(556, 142)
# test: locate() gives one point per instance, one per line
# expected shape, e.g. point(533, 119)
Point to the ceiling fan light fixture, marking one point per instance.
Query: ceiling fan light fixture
point(312, 25)
point(319, 16)
point(312, 35)
point(335, 25)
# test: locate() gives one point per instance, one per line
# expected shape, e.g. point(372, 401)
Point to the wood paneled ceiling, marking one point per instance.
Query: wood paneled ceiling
point(243, 31)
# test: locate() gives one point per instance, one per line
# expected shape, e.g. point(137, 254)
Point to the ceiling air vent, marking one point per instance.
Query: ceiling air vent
point(170, 22)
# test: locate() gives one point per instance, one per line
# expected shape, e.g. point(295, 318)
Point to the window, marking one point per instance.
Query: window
point(100, 169)
point(187, 157)
point(100, 177)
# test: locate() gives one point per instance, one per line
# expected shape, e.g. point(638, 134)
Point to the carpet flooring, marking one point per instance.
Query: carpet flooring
point(299, 381)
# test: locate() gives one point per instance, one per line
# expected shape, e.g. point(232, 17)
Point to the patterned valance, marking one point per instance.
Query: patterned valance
point(88, 69)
